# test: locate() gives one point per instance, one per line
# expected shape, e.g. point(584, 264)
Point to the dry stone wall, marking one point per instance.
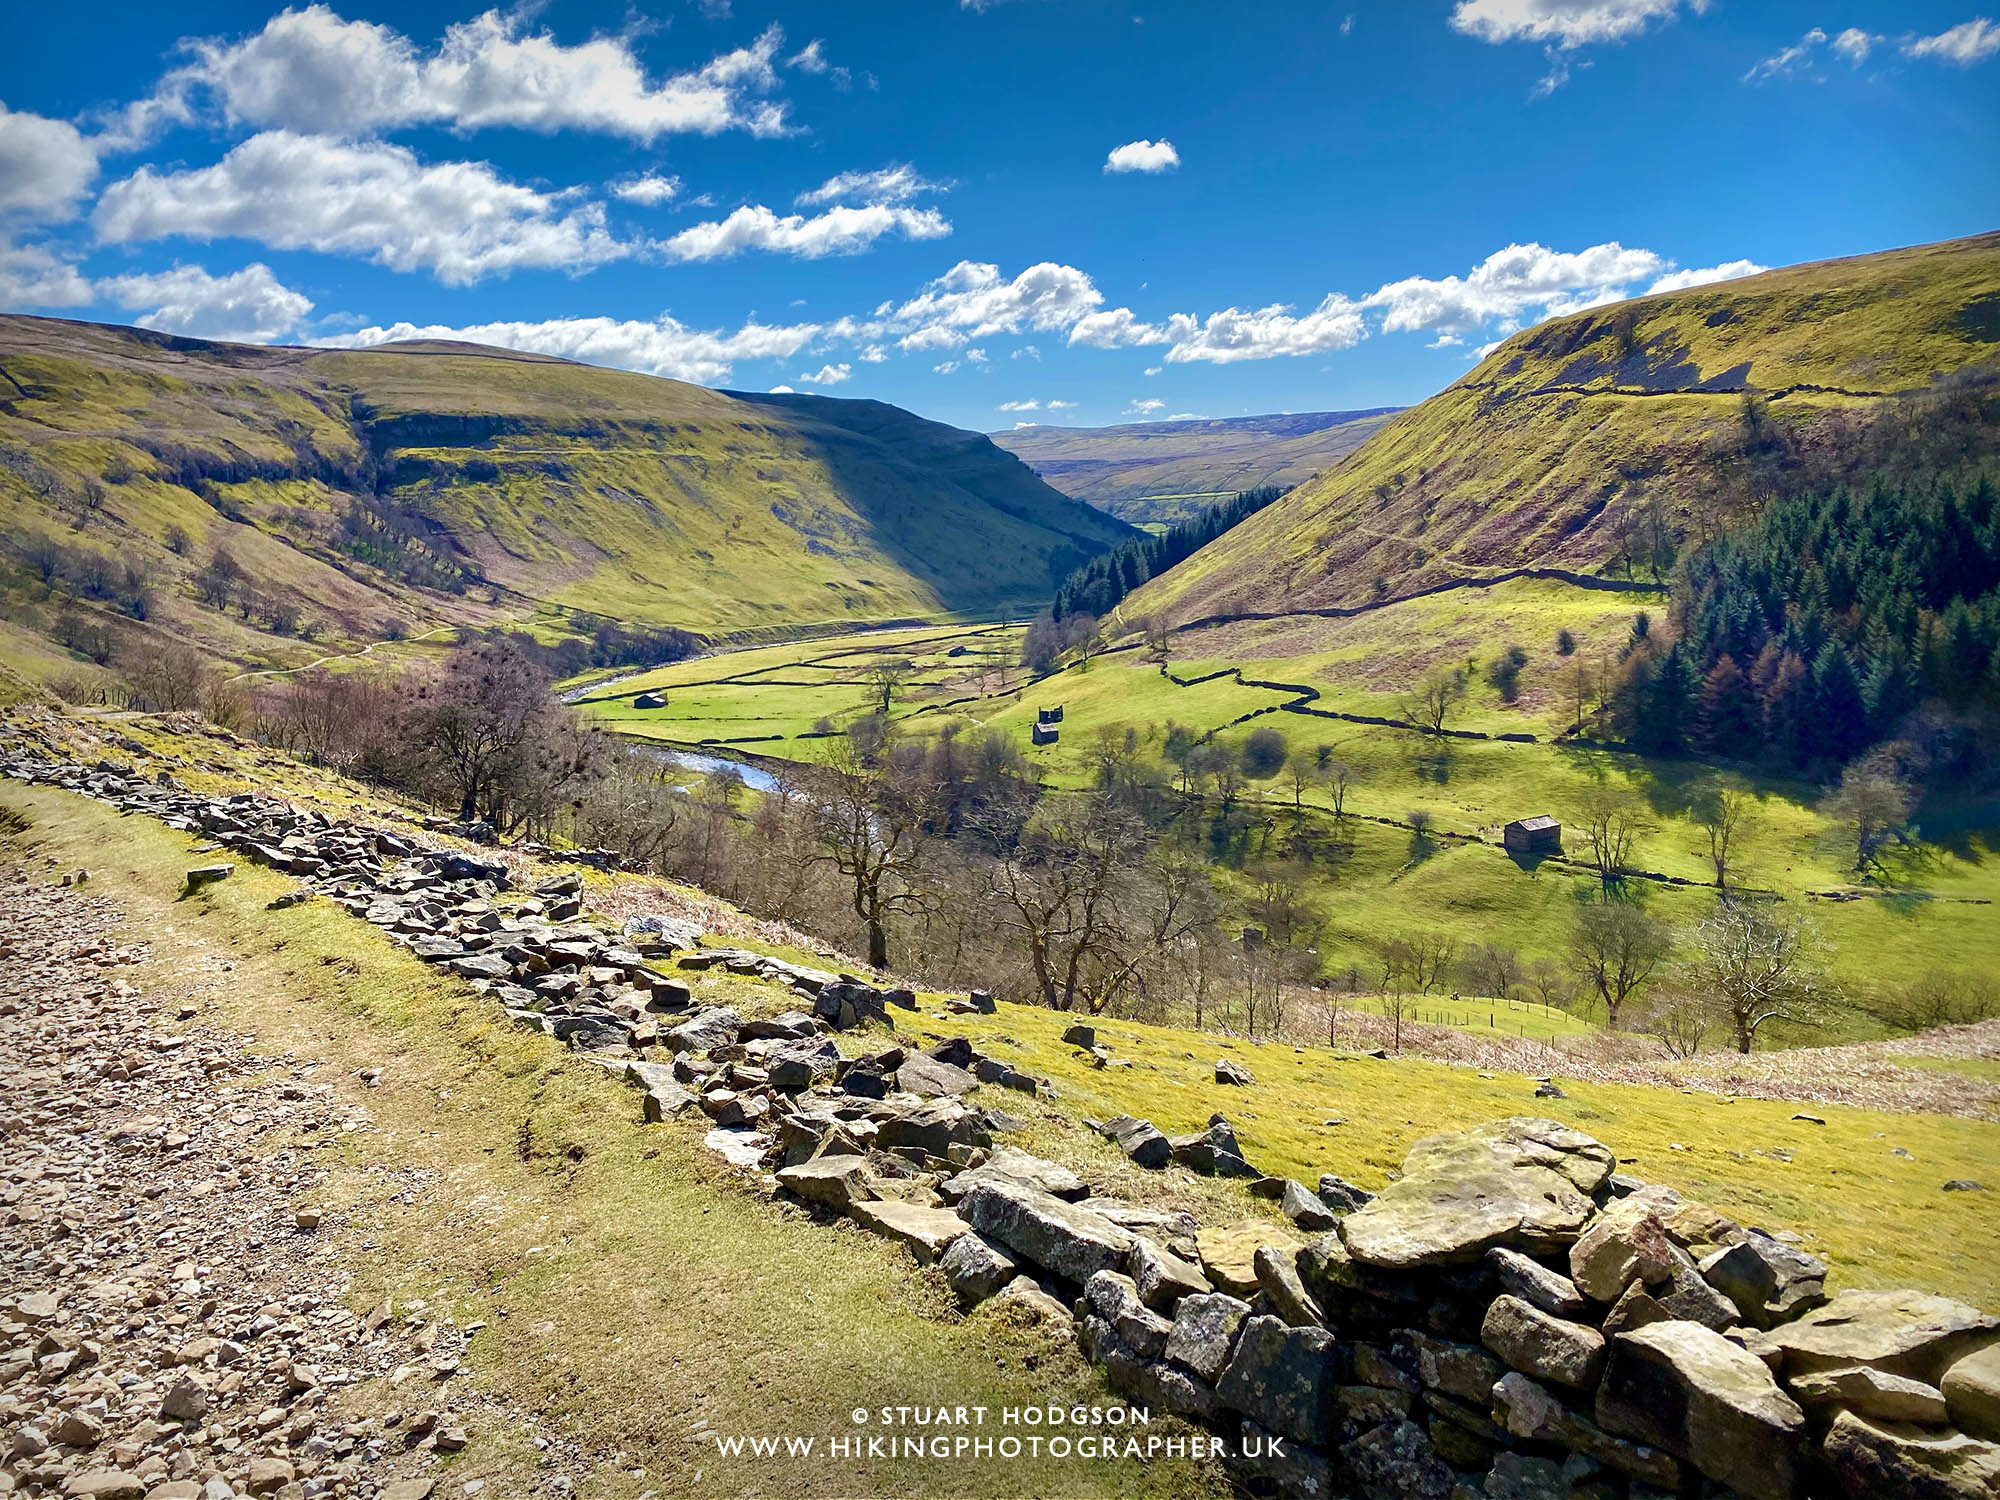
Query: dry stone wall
point(1512, 1318)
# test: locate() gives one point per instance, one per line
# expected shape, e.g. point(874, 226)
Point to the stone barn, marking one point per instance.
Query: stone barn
point(650, 700)
point(1050, 715)
point(1539, 835)
point(1044, 733)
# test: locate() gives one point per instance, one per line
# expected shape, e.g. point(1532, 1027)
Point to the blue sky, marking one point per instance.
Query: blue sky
point(1066, 211)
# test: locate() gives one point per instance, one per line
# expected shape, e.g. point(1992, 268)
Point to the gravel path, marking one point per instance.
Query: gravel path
point(174, 1322)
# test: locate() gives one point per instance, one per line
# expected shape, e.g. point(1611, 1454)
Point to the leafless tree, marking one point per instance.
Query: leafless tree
point(886, 679)
point(1431, 704)
point(1611, 825)
point(871, 821)
point(1338, 777)
point(1939, 997)
point(1614, 948)
point(1871, 804)
point(1551, 982)
point(1067, 890)
point(1761, 962)
point(166, 678)
point(1725, 815)
point(1679, 1018)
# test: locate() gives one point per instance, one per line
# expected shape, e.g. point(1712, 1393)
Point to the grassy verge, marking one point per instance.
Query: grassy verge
point(631, 1287)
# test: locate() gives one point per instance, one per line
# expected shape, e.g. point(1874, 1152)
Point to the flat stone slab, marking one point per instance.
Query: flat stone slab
point(927, 1231)
point(1914, 1334)
point(1066, 1238)
point(1519, 1182)
point(737, 1146)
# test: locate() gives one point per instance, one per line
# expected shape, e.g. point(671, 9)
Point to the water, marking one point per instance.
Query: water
point(754, 777)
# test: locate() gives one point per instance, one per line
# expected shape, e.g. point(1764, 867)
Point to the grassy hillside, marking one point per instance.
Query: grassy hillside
point(1149, 472)
point(441, 483)
point(1576, 442)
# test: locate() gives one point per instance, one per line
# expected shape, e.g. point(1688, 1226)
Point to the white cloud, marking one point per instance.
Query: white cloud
point(1511, 284)
point(1027, 351)
point(1146, 407)
point(1231, 335)
point(812, 59)
point(1783, 64)
point(1964, 44)
point(944, 367)
point(46, 166)
point(663, 346)
point(973, 300)
point(1507, 290)
point(1153, 369)
point(1563, 23)
point(1029, 405)
point(1143, 156)
point(873, 354)
point(1019, 425)
point(1854, 44)
point(783, 390)
point(247, 306)
point(975, 356)
point(1117, 328)
point(1729, 270)
point(312, 71)
point(649, 191)
point(31, 276)
point(459, 220)
point(1062, 406)
point(897, 183)
point(839, 231)
point(828, 374)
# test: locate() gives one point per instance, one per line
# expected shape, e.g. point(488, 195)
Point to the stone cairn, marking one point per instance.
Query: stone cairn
point(1511, 1319)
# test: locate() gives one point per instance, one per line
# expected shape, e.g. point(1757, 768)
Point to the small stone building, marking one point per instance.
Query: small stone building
point(1044, 733)
point(650, 700)
point(1538, 835)
point(1050, 715)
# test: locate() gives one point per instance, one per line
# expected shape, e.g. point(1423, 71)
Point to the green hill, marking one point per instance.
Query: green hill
point(1579, 443)
point(395, 489)
point(1161, 471)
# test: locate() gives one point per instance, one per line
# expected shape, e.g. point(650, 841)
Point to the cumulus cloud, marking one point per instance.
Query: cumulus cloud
point(650, 191)
point(1854, 44)
point(32, 276)
point(1729, 270)
point(783, 390)
point(828, 374)
point(1062, 405)
point(46, 167)
point(973, 300)
point(841, 230)
point(1563, 23)
point(246, 306)
point(1146, 407)
point(1965, 44)
point(897, 183)
point(1231, 335)
point(1509, 289)
point(1028, 405)
point(313, 71)
point(663, 346)
point(1143, 156)
point(459, 220)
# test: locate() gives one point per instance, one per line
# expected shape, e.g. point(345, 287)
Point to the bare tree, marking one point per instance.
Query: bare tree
point(475, 719)
point(871, 816)
point(1872, 806)
point(1611, 825)
point(1725, 815)
point(1339, 777)
point(1939, 997)
point(1614, 948)
point(1762, 962)
point(1490, 969)
point(1551, 982)
point(1431, 704)
point(164, 678)
point(1679, 1019)
point(1067, 889)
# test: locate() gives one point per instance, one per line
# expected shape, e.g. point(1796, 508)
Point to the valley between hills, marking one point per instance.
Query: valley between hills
point(626, 906)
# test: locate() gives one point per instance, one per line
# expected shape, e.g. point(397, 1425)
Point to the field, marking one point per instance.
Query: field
point(1373, 875)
